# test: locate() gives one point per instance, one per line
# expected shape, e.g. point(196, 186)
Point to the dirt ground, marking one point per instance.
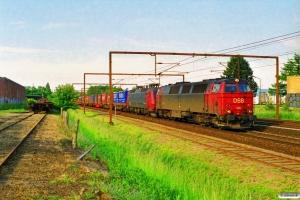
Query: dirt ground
point(46, 167)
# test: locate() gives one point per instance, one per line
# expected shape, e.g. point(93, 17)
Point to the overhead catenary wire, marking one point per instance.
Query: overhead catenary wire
point(244, 47)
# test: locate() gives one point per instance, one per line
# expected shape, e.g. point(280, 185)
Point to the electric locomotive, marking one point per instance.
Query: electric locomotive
point(142, 100)
point(224, 102)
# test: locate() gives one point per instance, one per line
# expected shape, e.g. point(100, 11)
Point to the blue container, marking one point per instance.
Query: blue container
point(93, 98)
point(116, 97)
point(123, 96)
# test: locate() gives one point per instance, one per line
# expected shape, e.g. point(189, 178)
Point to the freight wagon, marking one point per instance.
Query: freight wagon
point(11, 92)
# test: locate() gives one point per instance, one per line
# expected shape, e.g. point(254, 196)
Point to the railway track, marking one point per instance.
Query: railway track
point(274, 123)
point(14, 132)
point(284, 137)
point(11, 119)
point(272, 158)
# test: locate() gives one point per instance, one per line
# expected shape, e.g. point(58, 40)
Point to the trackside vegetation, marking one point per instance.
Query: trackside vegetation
point(285, 112)
point(16, 106)
point(146, 165)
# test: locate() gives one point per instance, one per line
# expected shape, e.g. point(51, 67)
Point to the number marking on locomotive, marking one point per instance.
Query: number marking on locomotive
point(238, 100)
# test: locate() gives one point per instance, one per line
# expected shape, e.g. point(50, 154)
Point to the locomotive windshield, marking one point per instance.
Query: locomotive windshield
point(232, 87)
point(244, 87)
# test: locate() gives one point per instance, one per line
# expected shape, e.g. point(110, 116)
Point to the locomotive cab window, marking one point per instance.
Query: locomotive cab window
point(174, 90)
point(186, 89)
point(244, 87)
point(199, 88)
point(230, 87)
point(216, 88)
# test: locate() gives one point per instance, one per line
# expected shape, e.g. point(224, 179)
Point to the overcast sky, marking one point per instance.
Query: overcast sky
point(56, 41)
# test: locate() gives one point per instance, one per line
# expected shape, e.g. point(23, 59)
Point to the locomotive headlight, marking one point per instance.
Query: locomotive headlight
point(250, 111)
point(228, 111)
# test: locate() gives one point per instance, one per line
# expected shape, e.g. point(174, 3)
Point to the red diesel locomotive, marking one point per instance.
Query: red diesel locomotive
point(219, 102)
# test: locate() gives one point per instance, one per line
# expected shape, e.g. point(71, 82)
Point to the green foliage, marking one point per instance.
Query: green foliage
point(30, 101)
point(291, 68)
point(286, 107)
point(282, 89)
point(285, 112)
point(13, 106)
point(269, 106)
point(100, 89)
point(41, 90)
point(65, 96)
point(240, 68)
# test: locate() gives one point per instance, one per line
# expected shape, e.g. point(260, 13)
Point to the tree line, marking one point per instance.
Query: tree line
point(237, 67)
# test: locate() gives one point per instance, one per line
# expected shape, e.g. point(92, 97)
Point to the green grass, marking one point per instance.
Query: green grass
point(16, 110)
point(13, 106)
point(142, 168)
point(269, 111)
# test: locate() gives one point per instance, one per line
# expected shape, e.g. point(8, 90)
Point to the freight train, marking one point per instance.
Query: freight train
point(223, 102)
point(41, 104)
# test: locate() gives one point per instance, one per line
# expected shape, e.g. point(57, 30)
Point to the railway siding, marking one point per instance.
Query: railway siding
point(12, 119)
point(45, 165)
point(15, 132)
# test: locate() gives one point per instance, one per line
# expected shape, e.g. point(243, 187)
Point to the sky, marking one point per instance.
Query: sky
point(56, 42)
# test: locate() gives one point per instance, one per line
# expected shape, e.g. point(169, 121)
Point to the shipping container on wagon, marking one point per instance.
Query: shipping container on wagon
point(293, 83)
point(120, 100)
point(293, 100)
point(11, 92)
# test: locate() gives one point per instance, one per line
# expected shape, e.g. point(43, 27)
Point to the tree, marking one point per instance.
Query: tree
point(100, 89)
point(238, 67)
point(65, 96)
point(291, 68)
point(40, 90)
point(47, 91)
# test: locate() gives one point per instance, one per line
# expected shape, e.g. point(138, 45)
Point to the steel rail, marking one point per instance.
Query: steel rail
point(15, 122)
point(20, 142)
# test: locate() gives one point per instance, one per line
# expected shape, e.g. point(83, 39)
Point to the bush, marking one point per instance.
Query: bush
point(286, 107)
point(270, 105)
point(30, 101)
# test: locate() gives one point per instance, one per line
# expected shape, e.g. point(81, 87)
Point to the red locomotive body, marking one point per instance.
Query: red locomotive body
point(219, 102)
point(142, 100)
point(231, 101)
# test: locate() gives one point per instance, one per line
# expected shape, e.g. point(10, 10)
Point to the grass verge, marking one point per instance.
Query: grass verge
point(264, 111)
point(144, 166)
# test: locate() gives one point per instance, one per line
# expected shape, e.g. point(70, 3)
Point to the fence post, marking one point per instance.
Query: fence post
point(74, 141)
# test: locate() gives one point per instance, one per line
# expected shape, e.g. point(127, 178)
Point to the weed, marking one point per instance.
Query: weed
point(53, 182)
point(74, 168)
point(65, 179)
point(89, 195)
point(52, 197)
point(64, 142)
